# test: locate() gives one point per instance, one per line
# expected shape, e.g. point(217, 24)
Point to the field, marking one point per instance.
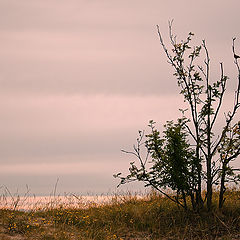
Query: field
point(123, 218)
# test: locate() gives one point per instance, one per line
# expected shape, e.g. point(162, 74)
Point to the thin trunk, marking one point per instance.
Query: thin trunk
point(209, 186)
point(222, 187)
point(209, 174)
point(199, 201)
point(184, 199)
point(209, 155)
point(193, 201)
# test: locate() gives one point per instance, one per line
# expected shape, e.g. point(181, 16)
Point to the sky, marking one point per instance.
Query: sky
point(79, 78)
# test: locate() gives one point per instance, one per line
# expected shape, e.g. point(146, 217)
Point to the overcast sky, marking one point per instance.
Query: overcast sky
point(79, 78)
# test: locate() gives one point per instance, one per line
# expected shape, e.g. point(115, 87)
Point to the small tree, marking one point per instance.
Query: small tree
point(229, 149)
point(168, 163)
point(204, 97)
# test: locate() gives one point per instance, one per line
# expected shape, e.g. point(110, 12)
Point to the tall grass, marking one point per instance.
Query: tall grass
point(124, 217)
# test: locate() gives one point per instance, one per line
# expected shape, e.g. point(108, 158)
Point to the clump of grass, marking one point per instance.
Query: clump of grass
point(126, 217)
point(16, 222)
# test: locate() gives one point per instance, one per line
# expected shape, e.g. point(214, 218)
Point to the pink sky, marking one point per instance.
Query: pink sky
point(79, 78)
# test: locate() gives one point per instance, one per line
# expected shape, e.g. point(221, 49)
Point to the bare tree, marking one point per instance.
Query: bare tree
point(205, 98)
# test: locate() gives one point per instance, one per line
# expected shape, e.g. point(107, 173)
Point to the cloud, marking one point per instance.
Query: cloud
point(81, 125)
point(107, 47)
point(82, 63)
point(62, 168)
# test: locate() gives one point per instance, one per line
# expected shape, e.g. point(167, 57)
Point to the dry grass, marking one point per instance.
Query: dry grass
point(152, 217)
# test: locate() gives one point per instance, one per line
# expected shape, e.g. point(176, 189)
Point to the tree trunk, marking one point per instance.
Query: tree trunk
point(222, 187)
point(199, 201)
point(209, 154)
point(193, 201)
point(209, 185)
point(184, 199)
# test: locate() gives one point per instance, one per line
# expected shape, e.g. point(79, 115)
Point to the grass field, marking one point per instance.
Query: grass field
point(128, 217)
